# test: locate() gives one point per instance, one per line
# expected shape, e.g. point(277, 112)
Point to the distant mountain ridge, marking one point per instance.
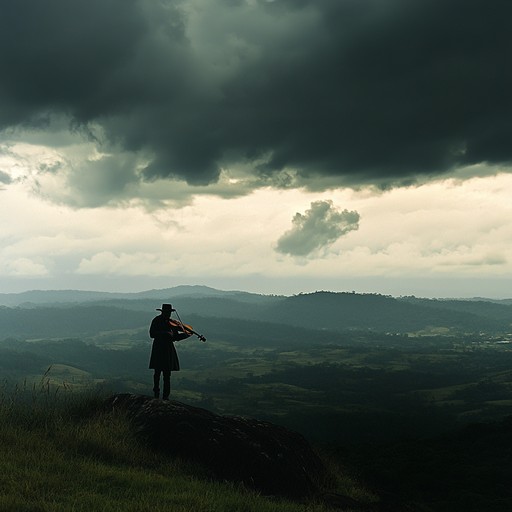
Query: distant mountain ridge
point(75, 296)
point(72, 313)
point(78, 296)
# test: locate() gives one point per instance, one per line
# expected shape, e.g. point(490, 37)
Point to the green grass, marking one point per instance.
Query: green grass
point(58, 452)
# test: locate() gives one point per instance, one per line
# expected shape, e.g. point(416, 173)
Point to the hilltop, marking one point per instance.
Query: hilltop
point(136, 454)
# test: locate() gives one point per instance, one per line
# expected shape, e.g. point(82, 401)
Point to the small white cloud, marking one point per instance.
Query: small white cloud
point(26, 267)
point(318, 228)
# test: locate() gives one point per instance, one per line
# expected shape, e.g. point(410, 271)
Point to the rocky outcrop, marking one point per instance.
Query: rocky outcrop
point(266, 457)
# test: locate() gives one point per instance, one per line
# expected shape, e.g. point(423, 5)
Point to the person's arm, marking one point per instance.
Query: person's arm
point(178, 335)
point(159, 328)
point(181, 336)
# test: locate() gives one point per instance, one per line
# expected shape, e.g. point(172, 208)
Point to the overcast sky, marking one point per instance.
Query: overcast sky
point(275, 146)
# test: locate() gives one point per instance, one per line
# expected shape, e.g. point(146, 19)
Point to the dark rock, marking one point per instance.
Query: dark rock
point(266, 457)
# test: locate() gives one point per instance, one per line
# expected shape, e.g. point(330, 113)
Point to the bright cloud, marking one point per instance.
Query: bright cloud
point(410, 233)
point(318, 228)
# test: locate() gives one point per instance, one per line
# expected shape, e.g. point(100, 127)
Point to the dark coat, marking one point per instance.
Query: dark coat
point(163, 352)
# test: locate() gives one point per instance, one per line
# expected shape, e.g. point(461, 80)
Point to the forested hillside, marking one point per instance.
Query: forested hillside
point(75, 314)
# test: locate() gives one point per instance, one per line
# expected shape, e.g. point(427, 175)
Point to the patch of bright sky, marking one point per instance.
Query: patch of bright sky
point(449, 229)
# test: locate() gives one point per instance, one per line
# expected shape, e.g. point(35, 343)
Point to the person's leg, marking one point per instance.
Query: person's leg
point(167, 384)
point(156, 383)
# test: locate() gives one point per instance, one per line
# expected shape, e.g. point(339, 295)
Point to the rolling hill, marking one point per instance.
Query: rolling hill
point(74, 313)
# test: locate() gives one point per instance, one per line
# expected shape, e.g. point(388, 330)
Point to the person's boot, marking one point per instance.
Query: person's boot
point(156, 384)
point(167, 387)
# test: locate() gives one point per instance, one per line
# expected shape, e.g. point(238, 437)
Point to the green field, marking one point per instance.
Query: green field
point(428, 384)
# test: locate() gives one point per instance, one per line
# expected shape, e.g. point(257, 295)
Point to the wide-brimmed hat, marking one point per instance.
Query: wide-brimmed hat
point(165, 308)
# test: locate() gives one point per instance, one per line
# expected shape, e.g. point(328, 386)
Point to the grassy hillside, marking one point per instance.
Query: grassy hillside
point(64, 452)
point(58, 453)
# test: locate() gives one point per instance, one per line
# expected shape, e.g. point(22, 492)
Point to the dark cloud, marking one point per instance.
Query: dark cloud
point(318, 228)
point(104, 181)
point(4, 178)
point(363, 91)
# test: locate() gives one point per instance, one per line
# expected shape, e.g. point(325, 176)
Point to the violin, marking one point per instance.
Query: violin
point(186, 329)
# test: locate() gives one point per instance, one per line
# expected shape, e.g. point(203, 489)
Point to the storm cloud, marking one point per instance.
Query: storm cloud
point(316, 229)
point(4, 177)
point(352, 92)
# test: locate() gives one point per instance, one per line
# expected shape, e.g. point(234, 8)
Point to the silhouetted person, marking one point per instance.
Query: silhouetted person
point(164, 357)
